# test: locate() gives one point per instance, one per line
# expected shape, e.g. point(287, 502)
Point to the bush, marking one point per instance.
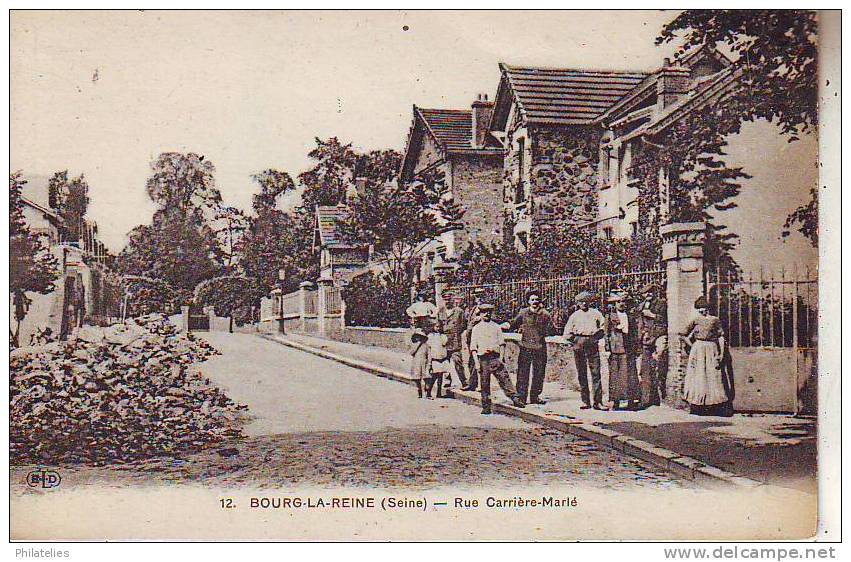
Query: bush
point(372, 301)
point(556, 253)
point(148, 296)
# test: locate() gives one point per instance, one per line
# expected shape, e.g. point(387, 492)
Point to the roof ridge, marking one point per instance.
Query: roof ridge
point(509, 67)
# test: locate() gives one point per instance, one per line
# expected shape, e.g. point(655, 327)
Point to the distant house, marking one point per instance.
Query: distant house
point(42, 220)
point(455, 146)
point(338, 260)
point(569, 137)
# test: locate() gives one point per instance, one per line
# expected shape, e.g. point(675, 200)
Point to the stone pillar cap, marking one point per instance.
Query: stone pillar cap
point(675, 227)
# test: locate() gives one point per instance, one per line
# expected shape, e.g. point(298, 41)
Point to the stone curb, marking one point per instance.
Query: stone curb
point(680, 465)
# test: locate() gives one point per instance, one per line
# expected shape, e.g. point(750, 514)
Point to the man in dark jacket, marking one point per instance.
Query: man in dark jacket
point(454, 323)
point(534, 324)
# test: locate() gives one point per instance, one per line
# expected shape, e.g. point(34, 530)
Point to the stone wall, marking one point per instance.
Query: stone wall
point(390, 338)
point(477, 186)
point(564, 174)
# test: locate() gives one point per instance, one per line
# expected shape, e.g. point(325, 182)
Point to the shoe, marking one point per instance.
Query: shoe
point(537, 401)
point(468, 389)
point(518, 403)
point(486, 411)
point(585, 407)
point(601, 407)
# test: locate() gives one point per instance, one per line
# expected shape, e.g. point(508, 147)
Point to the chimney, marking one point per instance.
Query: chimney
point(673, 84)
point(482, 112)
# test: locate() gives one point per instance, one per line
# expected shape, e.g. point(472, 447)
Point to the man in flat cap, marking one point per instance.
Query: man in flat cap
point(652, 331)
point(454, 323)
point(487, 345)
point(473, 318)
point(534, 324)
point(584, 329)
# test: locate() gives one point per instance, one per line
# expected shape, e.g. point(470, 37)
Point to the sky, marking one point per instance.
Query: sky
point(102, 93)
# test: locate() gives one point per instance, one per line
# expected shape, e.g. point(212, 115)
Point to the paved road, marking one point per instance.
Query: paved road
point(319, 422)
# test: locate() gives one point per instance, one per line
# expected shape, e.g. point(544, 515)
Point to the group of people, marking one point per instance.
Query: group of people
point(634, 337)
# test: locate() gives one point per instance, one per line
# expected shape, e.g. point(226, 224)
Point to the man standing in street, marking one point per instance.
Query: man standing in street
point(534, 324)
point(473, 317)
point(454, 323)
point(487, 345)
point(584, 329)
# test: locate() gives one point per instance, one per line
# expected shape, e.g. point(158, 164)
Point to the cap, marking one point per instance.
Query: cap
point(485, 306)
point(584, 296)
point(615, 297)
point(701, 303)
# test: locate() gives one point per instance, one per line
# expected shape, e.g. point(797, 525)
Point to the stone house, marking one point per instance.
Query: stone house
point(570, 135)
point(455, 147)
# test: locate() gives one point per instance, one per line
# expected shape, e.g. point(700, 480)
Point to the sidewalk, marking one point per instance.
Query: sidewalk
point(770, 449)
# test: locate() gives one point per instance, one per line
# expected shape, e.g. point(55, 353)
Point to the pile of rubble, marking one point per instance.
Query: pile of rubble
point(116, 394)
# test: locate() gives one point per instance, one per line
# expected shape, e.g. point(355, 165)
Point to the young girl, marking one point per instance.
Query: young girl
point(421, 362)
point(439, 361)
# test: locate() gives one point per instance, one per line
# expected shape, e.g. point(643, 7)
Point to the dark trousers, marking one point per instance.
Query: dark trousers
point(457, 364)
point(586, 355)
point(536, 360)
point(473, 381)
point(492, 365)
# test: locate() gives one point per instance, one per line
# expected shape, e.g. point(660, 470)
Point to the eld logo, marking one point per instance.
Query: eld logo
point(43, 479)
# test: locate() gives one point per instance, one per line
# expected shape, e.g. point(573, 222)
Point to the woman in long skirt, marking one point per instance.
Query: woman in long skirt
point(704, 387)
point(623, 377)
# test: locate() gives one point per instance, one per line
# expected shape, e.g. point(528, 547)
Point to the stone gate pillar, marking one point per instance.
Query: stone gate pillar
point(304, 289)
point(322, 304)
point(682, 252)
point(441, 276)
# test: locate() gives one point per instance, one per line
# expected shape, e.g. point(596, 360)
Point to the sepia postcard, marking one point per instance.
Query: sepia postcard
point(423, 275)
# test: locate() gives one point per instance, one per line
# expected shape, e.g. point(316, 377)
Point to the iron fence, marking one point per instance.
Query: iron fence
point(765, 309)
point(332, 300)
point(559, 293)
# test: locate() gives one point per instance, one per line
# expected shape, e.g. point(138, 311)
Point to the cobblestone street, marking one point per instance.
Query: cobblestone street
point(316, 422)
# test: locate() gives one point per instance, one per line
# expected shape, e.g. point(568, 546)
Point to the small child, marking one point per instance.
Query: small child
point(439, 361)
point(421, 362)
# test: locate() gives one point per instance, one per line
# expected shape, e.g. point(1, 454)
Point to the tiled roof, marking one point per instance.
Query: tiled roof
point(326, 224)
point(568, 97)
point(452, 128)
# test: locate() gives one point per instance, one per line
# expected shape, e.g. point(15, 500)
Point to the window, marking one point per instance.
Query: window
point(522, 241)
point(520, 194)
point(608, 232)
point(634, 226)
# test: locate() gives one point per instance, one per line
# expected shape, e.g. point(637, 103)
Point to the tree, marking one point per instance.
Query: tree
point(233, 296)
point(179, 246)
point(70, 199)
point(230, 225)
point(776, 69)
point(327, 181)
point(397, 220)
point(32, 267)
point(185, 182)
point(277, 240)
point(174, 249)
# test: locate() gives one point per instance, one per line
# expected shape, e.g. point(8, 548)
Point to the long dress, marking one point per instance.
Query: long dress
point(704, 383)
point(623, 378)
